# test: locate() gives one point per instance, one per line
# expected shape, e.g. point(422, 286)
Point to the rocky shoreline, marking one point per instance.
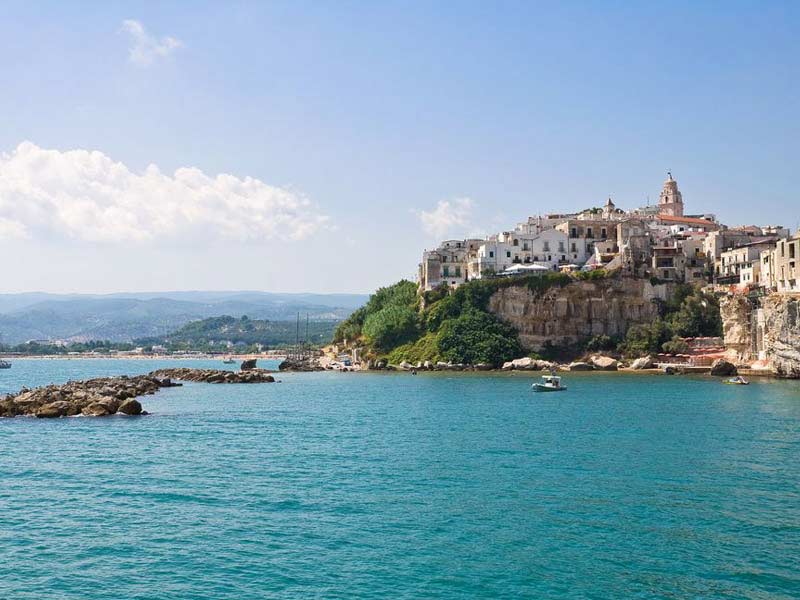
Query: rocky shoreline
point(105, 396)
point(215, 375)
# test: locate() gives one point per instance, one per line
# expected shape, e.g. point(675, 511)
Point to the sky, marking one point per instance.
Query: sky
point(322, 146)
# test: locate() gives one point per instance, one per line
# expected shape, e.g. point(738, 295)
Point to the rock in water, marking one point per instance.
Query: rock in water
point(131, 406)
point(723, 368)
point(248, 365)
point(96, 409)
point(59, 408)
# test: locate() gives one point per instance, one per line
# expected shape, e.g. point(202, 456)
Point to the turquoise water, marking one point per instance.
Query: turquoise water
point(391, 486)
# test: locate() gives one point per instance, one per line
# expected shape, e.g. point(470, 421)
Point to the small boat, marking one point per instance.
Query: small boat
point(228, 361)
point(550, 383)
point(738, 380)
point(4, 364)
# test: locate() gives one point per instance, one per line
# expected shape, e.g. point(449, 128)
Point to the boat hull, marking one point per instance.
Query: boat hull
point(538, 387)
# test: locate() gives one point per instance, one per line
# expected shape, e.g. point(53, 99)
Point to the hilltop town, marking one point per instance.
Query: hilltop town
point(658, 242)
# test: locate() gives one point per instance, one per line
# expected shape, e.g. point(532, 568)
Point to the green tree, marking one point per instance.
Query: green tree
point(478, 337)
point(391, 326)
point(697, 316)
point(645, 339)
point(676, 345)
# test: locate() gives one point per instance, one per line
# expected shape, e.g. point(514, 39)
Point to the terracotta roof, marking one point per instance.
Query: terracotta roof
point(692, 220)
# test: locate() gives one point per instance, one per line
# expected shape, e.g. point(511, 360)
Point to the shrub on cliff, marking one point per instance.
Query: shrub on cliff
point(675, 346)
point(645, 339)
point(697, 316)
point(402, 294)
point(599, 343)
point(478, 337)
point(391, 326)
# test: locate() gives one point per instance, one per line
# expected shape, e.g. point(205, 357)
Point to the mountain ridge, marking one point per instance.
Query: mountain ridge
point(126, 316)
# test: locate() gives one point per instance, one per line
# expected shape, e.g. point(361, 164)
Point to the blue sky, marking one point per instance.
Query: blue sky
point(355, 119)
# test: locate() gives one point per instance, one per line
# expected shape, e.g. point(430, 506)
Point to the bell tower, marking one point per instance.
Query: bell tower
point(670, 202)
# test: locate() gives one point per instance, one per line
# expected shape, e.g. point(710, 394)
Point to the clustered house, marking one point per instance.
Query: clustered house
point(657, 242)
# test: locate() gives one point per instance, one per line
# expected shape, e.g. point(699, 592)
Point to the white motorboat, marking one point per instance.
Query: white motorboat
point(550, 383)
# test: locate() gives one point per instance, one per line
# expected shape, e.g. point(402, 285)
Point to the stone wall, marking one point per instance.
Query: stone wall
point(568, 315)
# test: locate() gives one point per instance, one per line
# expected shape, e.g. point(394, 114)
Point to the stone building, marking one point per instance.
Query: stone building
point(498, 253)
point(670, 202)
point(447, 264)
point(785, 274)
point(734, 260)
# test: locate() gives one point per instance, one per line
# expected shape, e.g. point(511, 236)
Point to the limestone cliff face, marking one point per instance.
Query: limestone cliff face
point(567, 315)
point(736, 312)
point(781, 334)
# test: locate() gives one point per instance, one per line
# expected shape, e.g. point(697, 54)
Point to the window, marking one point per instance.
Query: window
point(560, 246)
point(516, 242)
point(458, 271)
point(444, 259)
point(574, 247)
point(508, 253)
point(603, 233)
point(446, 272)
point(525, 246)
point(791, 250)
point(546, 247)
point(491, 253)
point(666, 274)
point(563, 257)
point(589, 232)
point(574, 232)
point(549, 258)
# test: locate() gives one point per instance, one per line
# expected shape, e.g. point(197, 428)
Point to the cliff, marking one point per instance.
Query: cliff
point(737, 314)
point(563, 316)
point(765, 329)
point(781, 334)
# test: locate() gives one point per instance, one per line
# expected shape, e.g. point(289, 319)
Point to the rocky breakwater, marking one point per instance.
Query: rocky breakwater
point(95, 397)
point(215, 375)
point(307, 363)
point(566, 316)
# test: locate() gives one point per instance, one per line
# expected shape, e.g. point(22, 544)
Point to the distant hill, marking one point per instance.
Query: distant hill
point(207, 333)
point(128, 316)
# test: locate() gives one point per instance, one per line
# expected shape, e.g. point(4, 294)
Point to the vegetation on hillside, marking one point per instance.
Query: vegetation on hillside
point(441, 324)
point(207, 335)
point(456, 325)
point(689, 313)
point(243, 333)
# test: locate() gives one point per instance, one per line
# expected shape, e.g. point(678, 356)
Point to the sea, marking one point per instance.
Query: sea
point(440, 485)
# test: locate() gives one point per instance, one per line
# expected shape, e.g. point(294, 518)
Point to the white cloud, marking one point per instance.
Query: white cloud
point(145, 48)
point(87, 196)
point(447, 216)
